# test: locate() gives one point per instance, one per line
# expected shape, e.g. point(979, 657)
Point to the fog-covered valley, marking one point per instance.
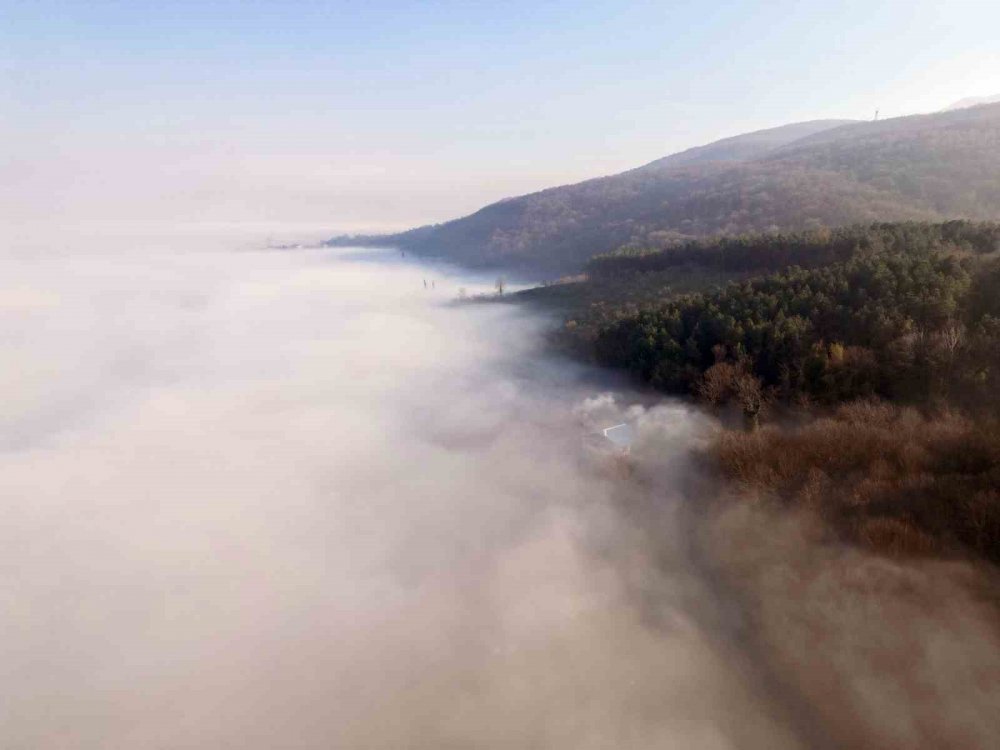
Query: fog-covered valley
point(302, 499)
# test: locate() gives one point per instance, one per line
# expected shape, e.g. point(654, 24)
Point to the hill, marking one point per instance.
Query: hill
point(876, 349)
point(808, 175)
point(974, 101)
point(747, 146)
point(625, 283)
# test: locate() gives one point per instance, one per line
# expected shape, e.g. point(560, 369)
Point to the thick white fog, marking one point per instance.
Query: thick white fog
point(262, 499)
point(297, 500)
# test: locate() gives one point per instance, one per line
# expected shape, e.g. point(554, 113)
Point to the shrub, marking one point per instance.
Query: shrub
point(886, 477)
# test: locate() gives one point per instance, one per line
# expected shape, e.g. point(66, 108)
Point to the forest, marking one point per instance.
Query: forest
point(864, 362)
point(908, 315)
point(810, 249)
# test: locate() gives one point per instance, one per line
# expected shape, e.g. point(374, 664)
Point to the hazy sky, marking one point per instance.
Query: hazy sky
point(381, 114)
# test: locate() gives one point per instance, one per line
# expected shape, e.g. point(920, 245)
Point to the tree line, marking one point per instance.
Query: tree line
point(811, 249)
point(907, 312)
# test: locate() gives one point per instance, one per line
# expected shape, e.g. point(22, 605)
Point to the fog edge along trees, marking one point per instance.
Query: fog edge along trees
point(876, 348)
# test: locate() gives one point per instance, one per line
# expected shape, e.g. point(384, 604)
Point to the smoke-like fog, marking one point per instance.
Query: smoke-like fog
point(297, 500)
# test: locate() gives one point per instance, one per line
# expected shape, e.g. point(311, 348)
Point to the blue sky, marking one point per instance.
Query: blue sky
point(383, 114)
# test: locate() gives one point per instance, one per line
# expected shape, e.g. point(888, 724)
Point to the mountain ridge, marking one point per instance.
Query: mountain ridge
point(973, 101)
point(745, 145)
point(798, 176)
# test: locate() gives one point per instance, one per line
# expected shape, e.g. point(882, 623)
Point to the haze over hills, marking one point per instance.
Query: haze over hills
point(974, 101)
point(822, 173)
point(746, 146)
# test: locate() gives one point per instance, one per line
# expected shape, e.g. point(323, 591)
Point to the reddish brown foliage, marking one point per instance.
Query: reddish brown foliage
point(888, 478)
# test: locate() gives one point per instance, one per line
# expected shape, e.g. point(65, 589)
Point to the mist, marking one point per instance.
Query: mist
point(296, 499)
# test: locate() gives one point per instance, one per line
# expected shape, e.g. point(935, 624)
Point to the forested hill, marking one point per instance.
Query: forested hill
point(745, 147)
point(877, 348)
point(925, 167)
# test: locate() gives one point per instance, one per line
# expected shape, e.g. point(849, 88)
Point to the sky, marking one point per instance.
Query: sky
point(351, 116)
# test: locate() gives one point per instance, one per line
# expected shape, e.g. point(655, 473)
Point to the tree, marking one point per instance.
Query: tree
point(750, 394)
point(716, 386)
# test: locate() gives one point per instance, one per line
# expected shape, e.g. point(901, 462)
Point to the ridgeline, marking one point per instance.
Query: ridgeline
point(805, 176)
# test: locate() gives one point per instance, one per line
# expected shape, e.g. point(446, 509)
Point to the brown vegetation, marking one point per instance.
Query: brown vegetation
point(727, 381)
point(888, 478)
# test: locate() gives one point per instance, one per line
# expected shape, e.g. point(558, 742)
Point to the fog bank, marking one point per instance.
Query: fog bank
point(298, 500)
point(295, 500)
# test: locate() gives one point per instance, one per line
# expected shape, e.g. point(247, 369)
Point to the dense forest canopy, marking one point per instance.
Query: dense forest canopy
point(908, 312)
point(876, 347)
point(808, 176)
point(811, 249)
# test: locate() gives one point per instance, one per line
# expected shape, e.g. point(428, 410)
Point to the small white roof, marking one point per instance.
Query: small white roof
point(621, 435)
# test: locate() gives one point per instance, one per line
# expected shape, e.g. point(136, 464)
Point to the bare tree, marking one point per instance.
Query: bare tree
point(750, 393)
point(716, 385)
point(500, 285)
point(951, 338)
point(727, 381)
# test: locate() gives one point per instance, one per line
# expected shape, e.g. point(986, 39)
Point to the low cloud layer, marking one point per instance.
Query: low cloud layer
point(296, 500)
point(291, 500)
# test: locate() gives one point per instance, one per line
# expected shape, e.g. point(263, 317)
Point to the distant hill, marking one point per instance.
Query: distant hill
point(974, 101)
point(802, 176)
point(747, 146)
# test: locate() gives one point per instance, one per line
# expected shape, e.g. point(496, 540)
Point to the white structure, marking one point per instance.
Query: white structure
point(618, 438)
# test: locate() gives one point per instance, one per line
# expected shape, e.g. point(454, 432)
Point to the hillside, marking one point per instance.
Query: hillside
point(624, 283)
point(826, 173)
point(874, 347)
point(747, 146)
point(974, 101)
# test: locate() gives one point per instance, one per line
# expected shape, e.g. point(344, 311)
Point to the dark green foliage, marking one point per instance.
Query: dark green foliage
point(589, 305)
point(984, 297)
point(909, 314)
point(812, 249)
